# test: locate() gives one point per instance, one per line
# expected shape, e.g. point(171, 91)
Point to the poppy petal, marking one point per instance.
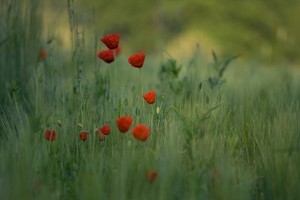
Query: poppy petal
point(83, 136)
point(107, 56)
point(105, 130)
point(111, 40)
point(150, 97)
point(137, 60)
point(141, 132)
point(50, 135)
point(124, 123)
point(151, 175)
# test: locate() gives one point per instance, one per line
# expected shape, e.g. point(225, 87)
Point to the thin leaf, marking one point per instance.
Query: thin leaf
point(214, 55)
point(207, 114)
point(226, 63)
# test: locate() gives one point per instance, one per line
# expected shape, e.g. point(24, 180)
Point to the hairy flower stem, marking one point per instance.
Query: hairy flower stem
point(140, 81)
point(141, 90)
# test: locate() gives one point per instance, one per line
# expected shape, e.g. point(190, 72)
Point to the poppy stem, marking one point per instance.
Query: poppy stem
point(141, 86)
point(140, 81)
point(115, 69)
point(141, 92)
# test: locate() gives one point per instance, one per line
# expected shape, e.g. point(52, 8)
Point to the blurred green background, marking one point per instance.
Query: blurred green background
point(266, 30)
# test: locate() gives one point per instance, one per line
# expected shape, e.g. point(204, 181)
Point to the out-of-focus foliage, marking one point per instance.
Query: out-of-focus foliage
point(265, 29)
point(20, 31)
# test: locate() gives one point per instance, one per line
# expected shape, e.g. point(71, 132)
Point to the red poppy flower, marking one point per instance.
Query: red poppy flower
point(101, 137)
point(105, 130)
point(137, 60)
point(124, 123)
point(107, 56)
point(151, 175)
point(50, 135)
point(83, 135)
point(111, 40)
point(150, 97)
point(141, 132)
point(43, 54)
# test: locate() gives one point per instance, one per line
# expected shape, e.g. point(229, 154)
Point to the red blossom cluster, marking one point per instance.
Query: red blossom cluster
point(112, 43)
point(103, 132)
point(50, 134)
point(140, 132)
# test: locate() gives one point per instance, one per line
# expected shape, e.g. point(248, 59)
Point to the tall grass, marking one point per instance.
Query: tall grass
point(238, 140)
point(20, 40)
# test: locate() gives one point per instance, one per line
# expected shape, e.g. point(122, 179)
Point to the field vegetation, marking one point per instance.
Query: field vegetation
point(203, 126)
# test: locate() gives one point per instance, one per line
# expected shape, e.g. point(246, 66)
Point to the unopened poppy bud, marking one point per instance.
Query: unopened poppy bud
point(80, 125)
point(157, 110)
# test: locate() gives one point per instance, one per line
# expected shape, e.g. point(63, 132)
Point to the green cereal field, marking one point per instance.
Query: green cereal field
point(149, 100)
